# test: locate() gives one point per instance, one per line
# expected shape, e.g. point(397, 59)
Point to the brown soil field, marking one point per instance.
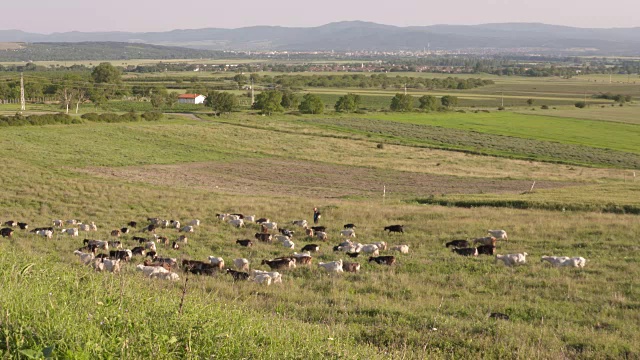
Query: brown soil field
point(284, 177)
point(10, 46)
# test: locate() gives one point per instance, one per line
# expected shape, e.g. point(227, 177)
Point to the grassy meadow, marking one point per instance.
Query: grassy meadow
point(447, 176)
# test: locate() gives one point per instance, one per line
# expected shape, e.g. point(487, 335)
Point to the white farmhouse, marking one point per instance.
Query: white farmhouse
point(191, 99)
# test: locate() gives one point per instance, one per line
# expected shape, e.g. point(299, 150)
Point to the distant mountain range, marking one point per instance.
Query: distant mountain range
point(358, 35)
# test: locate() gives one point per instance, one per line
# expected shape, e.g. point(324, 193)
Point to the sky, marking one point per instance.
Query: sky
point(47, 16)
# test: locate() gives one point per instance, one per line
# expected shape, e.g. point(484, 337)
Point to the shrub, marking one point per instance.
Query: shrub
point(581, 104)
point(501, 108)
point(544, 107)
point(152, 116)
point(380, 146)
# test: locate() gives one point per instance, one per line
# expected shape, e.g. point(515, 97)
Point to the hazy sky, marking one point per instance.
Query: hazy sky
point(46, 16)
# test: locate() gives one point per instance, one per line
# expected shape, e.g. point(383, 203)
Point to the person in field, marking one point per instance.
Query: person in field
point(316, 215)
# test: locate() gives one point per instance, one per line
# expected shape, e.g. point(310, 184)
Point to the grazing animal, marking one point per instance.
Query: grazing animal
point(466, 251)
point(381, 245)
point(565, 261)
point(353, 254)
point(288, 244)
point(351, 267)
point(403, 249)
point(333, 266)
point(394, 228)
point(264, 237)
point(115, 244)
point(124, 255)
point(303, 258)
point(262, 220)
point(162, 264)
point(279, 264)
point(489, 240)
point(175, 224)
point(45, 233)
point(238, 275)
point(512, 259)
point(240, 216)
point(270, 225)
point(150, 245)
point(217, 262)
point(23, 226)
point(165, 276)
point(311, 248)
point(348, 233)
point(132, 224)
point(250, 219)
point(497, 315)
point(84, 227)
point(241, 264)
point(85, 258)
point(319, 228)
point(175, 246)
point(150, 228)
point(263, 279)
point(10, 223)
point(148, 269)
point(42, 228)
point(70, 232)
point(458, 244)
point(321, 235)
point(369, 249)
point(187, 229)
point(349, 226)
point(124, 230)
point(58, 223)
point(245, 242)
point(99, 244)
point(275, 276)
point(486, 250)
point(498, 234)
point(162, 239)
point(383, 260)
point(287, 232)
point(116, 233)
point(71, 222)
point(152, 254)
point(301, 223)
point(6, 232)
point(237, 223)
point(112, 266)
point(183, 239)
point(140, 239)
point(281, 238)
point(138, 250)
point(309, 232)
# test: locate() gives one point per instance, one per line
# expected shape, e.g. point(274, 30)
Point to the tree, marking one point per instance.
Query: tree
point(402, 102)
point(65, 96)
point(311, 104)
point(449, 101)
point(428, 102)
point(221, 102)
point(97, 97)
point(105, 73)
point(240, 79)
point(80, 96)
point(269, 102)
point(348, 103)
point(289, 100)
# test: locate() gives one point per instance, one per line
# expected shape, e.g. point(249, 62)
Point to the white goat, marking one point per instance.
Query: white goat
point(85, 258)
point(512, 259)
point(404, 249)
point(333, 266)
point(241, 264)
point(263, 279)
point(498, 234)
point(237, 223)
point(275, 276)
point(348, 233)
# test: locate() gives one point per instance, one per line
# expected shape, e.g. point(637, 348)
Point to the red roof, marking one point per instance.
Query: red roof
point(188, 96)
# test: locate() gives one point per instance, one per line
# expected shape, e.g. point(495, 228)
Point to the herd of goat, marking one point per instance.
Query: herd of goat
point(155, 266)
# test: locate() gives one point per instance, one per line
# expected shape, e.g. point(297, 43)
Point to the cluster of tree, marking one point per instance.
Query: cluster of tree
point(620, 98)
point(377, 81)
point(273, 101)
point(405, 102)
point(33, 67)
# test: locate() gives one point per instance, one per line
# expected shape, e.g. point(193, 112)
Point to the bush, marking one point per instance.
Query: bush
point(111, 117)
point(380, 146)
point(544, 107)
point(581, 104)
point(38, 120)
point(152, 116)
point(501, 108)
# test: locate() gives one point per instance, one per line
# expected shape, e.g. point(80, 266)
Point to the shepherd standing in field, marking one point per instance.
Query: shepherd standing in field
point(316, 215)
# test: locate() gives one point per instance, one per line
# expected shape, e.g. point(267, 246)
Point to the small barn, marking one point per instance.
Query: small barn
point(191, 99)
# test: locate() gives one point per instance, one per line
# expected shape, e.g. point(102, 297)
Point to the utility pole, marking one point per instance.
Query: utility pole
point(405, 89)
point(22, 102)
point(502, 99)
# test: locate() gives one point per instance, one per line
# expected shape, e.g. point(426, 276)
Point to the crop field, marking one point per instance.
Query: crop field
point(431, 304)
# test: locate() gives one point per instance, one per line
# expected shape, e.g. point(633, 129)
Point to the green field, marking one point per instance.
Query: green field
point(446, 175)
